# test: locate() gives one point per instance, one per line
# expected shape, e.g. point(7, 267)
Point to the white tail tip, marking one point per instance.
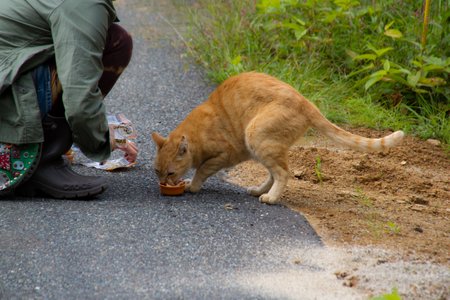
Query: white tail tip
point(395, 138)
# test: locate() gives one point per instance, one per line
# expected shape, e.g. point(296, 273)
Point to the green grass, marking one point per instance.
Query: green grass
point(296, 44)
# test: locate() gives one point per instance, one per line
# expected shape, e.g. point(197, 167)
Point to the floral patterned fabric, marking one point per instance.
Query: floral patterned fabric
point(17, 162)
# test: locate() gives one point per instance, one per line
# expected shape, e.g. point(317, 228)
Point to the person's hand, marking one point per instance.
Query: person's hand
point(130, 149)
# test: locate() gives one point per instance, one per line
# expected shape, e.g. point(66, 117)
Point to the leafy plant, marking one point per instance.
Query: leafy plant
point(392, 227)
point(425, 74)
point(318, 169)
point(392, 296)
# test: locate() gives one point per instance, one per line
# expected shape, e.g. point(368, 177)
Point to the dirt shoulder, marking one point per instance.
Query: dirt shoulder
point(396, 200)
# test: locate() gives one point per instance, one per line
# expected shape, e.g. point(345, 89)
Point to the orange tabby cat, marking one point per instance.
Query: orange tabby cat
point(249, 116)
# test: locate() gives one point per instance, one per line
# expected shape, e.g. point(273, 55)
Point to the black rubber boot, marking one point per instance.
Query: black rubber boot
point(53, 176)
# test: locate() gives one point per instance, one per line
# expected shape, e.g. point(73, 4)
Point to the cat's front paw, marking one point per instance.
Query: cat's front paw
point(267, 199)
point(189, 187)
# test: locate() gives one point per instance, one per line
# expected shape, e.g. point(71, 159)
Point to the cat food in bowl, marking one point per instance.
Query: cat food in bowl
point(172, 190)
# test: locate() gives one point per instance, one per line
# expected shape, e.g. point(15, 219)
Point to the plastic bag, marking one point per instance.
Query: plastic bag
point(123, 131)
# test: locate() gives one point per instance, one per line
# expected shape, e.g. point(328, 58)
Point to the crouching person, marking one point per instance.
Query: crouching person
point(58, 60)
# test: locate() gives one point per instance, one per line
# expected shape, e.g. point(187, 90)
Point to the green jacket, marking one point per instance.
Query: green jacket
point(74, 33)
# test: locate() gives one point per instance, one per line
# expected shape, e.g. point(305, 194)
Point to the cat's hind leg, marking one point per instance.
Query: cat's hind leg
point(273, 155)
point(261, 189)
point(278, 169)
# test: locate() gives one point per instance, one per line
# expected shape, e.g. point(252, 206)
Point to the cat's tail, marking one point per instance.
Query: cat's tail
point(354, 141)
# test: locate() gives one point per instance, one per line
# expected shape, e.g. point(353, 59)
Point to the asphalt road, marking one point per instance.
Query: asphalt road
point(133, 243)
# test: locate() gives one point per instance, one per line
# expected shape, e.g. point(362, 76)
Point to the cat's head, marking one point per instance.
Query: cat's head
point(173, 159)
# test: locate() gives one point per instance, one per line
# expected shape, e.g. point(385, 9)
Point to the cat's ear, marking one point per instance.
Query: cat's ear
point(182, 149)
point(158, 139)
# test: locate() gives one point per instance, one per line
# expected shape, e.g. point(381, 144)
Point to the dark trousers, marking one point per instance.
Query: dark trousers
point(116, 57)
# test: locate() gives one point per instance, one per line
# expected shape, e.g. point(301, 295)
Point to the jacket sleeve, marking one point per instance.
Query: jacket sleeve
point(79, 30)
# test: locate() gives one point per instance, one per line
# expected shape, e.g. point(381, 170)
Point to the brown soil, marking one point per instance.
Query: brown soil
point(397, 200)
